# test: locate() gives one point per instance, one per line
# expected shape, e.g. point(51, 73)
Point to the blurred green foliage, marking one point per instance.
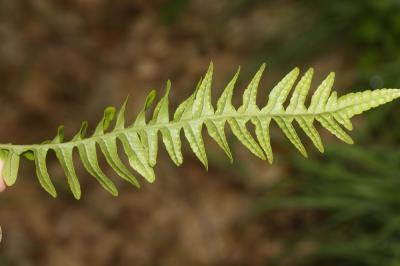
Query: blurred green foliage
point(353, 188)
point(369, 30)
point(172, 9)
point(356, 190)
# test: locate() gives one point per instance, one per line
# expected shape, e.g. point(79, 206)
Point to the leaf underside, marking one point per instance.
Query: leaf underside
point(140, 140)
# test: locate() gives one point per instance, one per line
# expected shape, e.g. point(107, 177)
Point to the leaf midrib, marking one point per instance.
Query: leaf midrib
point(21, 148)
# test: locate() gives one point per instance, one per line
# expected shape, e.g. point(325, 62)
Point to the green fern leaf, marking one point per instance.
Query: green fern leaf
point(140, 139)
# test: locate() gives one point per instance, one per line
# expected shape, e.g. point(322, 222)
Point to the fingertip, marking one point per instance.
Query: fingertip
point(2, 184)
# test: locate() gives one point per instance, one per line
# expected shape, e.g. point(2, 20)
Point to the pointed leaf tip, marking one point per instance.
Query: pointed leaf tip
point(150, 99)
point(211, 66)
point(60, 135)
point(109, 113)
point(120, 123)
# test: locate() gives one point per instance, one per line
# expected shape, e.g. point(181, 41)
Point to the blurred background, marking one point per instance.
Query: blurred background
point(63, 61)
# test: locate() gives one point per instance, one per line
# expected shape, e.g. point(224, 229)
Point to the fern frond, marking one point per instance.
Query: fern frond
point(140, 139)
